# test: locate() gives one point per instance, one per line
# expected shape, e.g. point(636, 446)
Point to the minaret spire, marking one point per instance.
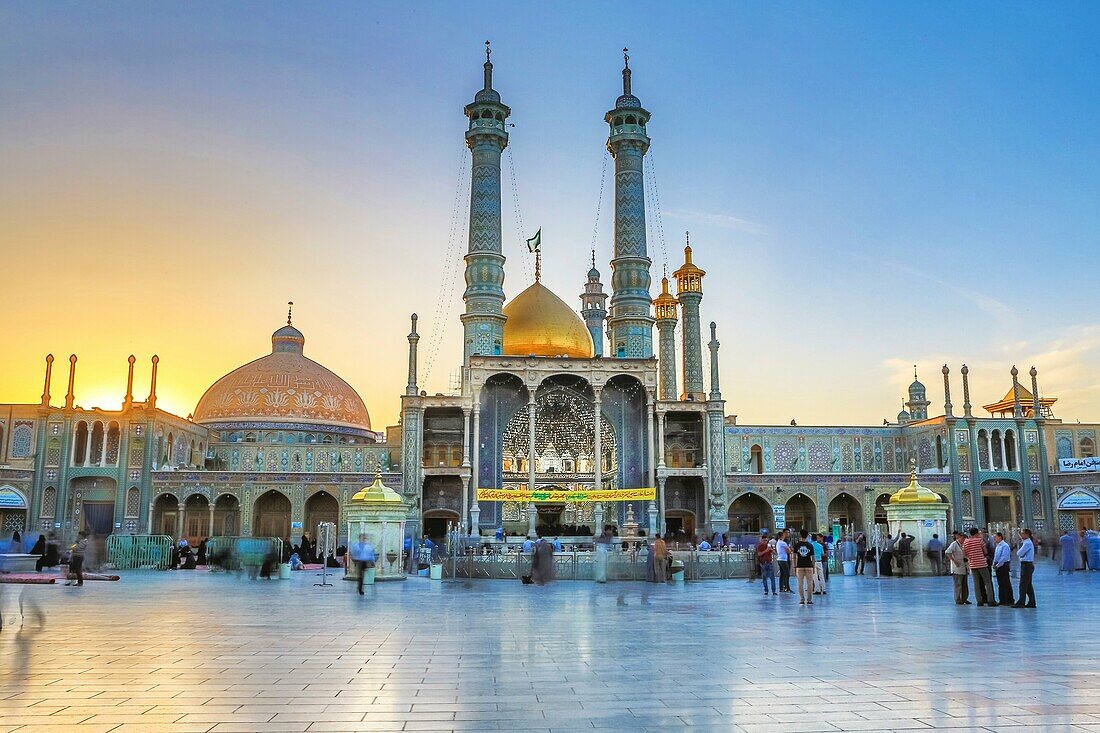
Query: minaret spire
point(488, 66)
point(626, 71)
point(411, 388)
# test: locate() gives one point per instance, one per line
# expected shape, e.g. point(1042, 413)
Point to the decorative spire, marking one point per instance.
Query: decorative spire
point(290, 313)
point(411, 389)
point(1035, 405)
point(129, 382)
point(488, 66)
point(915, 373)
point(715, 391)
point(538, 265)
point(946, 391)
point(46, 384)
point(1016, 411)
point(593, 258)
point(966, 391)
point(151, 402)
point(69, 396)
point(626, 72)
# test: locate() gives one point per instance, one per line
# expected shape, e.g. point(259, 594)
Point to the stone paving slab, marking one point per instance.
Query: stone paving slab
point(262, 657)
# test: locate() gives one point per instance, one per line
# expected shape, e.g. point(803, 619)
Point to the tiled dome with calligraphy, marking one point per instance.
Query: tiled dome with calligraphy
point(283, 388)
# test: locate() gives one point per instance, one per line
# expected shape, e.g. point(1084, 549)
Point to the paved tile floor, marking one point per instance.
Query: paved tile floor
point(183, 652)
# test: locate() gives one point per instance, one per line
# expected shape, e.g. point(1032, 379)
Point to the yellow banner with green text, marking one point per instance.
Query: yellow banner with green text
point(576, 497)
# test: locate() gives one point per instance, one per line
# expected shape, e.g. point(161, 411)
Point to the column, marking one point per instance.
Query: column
point(598, 512)
point(475, 465)
point(210, 527)
point(179, 521)
point(661, 443)
point(597, 421)
point(531, 440)
point(989, 446)
point(652, 512)
point(1004, 456)
point(661, 504)
point(650, 470)
point(531, 513)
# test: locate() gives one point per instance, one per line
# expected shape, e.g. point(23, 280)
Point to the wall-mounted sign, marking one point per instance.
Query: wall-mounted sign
point(1078, 465)
point(556, 496)
point(295, 525)
point(780, 512)
point(11, 499)
point(1079, 500)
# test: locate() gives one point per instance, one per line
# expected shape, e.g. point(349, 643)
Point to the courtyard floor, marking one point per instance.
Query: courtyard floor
point(192, 652)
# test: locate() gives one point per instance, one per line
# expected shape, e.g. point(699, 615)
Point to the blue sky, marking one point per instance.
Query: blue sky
point(868, 185)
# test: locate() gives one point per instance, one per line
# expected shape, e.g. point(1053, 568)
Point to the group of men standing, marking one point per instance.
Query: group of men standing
point(980, 555)
point(809, 556)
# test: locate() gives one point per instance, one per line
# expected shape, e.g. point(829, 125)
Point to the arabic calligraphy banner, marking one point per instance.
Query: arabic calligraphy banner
point(1075, 465)
point(575, 497)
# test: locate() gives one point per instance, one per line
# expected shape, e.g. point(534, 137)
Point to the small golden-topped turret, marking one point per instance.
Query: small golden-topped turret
point(664, 305)
point(689, 278)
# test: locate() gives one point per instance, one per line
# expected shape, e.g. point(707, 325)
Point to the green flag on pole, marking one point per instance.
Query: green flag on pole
point(534, 244)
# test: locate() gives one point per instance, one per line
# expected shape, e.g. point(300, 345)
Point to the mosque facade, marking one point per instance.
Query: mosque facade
point(565, 419)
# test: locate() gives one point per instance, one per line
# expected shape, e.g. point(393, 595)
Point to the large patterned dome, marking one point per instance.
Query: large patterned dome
point(540, 323)
point(283, 390)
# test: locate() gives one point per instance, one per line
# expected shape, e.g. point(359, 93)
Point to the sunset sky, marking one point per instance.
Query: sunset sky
point(868, 186)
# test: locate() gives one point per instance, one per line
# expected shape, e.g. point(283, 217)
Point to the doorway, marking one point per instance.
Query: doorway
point(272, 516)
point(322, 507)
point(999, 509)
point(165, 509)
point(680, 525)
point(1085, 520)
point(436, 524)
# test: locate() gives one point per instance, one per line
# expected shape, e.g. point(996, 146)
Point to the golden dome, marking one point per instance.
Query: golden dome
point(377, 493)
point(914, 493)
point(541, 324)
point(283, 389)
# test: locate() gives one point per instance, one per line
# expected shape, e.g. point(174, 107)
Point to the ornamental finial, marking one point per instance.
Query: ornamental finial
point(488, 66)
point(289, 312)
point(626, 72)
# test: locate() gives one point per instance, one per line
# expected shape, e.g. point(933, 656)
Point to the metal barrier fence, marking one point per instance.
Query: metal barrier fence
point(582, 565)
point(239, 552)
point(128, 551)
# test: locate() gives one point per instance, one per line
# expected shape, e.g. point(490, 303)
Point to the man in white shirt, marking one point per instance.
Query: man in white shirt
point(783, 553)
point(1002, 558)
point(957, 557)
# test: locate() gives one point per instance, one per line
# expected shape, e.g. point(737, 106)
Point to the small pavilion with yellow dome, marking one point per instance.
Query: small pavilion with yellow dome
point(920, 513)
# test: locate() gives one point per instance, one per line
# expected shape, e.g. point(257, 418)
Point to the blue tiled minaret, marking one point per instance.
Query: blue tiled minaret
point(689, 291)
point(483, 321)
point(630, 323)
point(594, 307)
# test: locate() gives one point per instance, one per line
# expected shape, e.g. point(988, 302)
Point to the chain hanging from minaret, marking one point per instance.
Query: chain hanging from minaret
point(483, 321)
point(630, 322)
